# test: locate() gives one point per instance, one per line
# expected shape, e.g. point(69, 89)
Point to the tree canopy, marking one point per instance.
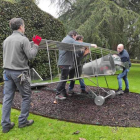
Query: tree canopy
point(106, 23)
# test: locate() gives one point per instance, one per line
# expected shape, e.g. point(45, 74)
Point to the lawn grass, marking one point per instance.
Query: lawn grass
point(133, 77)
point(51, 129)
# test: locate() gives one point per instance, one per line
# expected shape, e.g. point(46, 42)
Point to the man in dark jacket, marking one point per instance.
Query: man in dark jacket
point(66, 61)
point(17, 51)
point(127, 64)
point(77, 71)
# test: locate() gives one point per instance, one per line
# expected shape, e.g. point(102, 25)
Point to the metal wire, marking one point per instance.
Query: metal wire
point(76, 66)
point(111, 65)
point(96, 84)
point(57, 65)
point(49, 60)
point(75, 63)
point(104, 75)
point(106, 82)
point(97, 70)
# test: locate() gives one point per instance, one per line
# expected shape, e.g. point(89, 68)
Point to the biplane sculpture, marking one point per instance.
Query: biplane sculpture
point(99, 62)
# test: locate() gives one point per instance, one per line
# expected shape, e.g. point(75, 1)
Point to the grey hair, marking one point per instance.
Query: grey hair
point(15, 23)
point(71, 33)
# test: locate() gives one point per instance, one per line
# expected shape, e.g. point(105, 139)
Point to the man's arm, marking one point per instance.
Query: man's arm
point(87, 51)
point(124, 59)
point(84, 44)
point(80, 53)
point(29, 51)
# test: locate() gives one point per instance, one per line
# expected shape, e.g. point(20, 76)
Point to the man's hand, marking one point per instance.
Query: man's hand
point(37, 39)
point(114, 55)
point(94, 45)
point(86, 51)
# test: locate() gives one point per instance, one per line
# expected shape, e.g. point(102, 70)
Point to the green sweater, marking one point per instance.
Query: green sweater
point(17, 51)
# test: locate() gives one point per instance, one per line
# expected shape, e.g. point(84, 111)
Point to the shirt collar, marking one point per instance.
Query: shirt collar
point(16, 31)
point(122, 51)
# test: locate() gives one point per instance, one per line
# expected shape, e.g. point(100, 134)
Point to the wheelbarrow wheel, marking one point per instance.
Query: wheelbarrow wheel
point(99, 100)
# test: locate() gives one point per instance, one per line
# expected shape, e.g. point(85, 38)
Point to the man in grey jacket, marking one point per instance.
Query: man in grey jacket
point(17, 51)
point(66, 60)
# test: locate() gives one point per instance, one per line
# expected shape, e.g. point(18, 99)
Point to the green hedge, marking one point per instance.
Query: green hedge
point(37, 22)
point(135, 61)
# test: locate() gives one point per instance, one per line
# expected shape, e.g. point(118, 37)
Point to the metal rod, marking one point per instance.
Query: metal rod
point(106, 81)
point(92, 60)
point(97, 70)
point(110, 63)
point(97, 85)
point(51, 41)
point(107, 96)
point(37, 74)
point(57, 65)
point(89, 88)
point(104, 75)
point(76, 66)
point(49, 60)
point(91, 91)
point(73, 79)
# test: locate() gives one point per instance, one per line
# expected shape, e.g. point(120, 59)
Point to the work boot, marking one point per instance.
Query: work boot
point(126, 90)
point(60, 97)
point(119, 92)
point(28, 123)
point(7, 129)
point(70, 92)
point(84, 91)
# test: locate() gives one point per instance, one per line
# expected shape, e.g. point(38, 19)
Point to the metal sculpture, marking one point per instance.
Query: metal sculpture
point(99, 62)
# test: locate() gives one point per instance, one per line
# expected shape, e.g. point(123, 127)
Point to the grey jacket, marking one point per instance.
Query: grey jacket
point(67, 57)
point(17, 51)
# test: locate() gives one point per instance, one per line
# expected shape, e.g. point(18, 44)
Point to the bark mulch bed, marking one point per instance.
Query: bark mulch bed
point(123, 110)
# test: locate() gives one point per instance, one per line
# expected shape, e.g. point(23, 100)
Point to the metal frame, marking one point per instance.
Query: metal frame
point(55, 46)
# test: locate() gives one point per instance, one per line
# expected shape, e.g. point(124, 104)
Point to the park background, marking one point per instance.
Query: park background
point(104, 22)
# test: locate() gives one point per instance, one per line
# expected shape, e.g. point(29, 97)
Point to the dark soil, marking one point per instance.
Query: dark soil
point(123, 110)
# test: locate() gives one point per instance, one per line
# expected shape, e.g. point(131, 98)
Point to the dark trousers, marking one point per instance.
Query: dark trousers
point(11, 82)
point(81, 81)
point(65, 72)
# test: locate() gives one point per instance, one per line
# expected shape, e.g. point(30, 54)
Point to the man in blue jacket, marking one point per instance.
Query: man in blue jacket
point(127, 64)
point(65, 61)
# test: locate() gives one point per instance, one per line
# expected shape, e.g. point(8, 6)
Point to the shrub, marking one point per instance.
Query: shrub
point(135, 61)
point(37, 22)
